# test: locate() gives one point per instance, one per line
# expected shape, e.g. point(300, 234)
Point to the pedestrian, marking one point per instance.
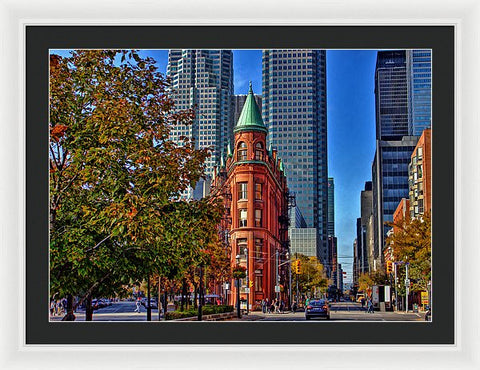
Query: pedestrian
point(267, 305)
point(370, 306)
point(262, 303)
point(363, 302)
point(294, 306)
point(277, 306)
point(137, 304)
point(282, 306)
point(272, 307)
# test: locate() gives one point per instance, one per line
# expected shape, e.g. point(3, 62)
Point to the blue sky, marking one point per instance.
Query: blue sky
point(351, 127)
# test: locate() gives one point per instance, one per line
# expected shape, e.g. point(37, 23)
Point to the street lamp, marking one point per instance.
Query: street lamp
point(238, 288)
point(289, 281)
point(246, 278)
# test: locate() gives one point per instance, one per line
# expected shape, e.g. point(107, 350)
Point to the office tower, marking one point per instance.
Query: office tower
point(364, 246)
point(203, 80)
point(331, 207)
point(332, 266)
point(420, 176)
point(419, 71)
point(390, 185)
point(295, 111)
point(238, 101)
point(391, 96)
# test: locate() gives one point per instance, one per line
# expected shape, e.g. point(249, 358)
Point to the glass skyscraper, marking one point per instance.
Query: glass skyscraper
point(399, 92)
point(331, 207)
point(419, 70)
point(391, 96)
point(294, 108)
point(203, 80)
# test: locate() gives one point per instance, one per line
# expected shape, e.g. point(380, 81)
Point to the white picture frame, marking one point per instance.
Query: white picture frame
point(15, 15)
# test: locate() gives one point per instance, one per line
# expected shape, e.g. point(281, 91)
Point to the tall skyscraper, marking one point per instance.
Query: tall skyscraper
point(390, 185)
point(294, 107)
point(419, 71)
point(203, 80)
point(331, 207)
point(391, 96)
point(394, 140)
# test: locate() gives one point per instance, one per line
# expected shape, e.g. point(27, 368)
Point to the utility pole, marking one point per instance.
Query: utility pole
point(289, 281)
point(200, 294)
point(396, 288)
point(277, 277)
point(407, 287)
point(149, 308)
point(247, 280)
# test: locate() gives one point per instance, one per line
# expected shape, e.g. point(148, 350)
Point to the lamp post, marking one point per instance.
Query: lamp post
point(238, 289)
point(289, 281)
point(246, 278)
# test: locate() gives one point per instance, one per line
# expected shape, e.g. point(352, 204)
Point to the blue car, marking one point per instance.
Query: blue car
point(317, 308)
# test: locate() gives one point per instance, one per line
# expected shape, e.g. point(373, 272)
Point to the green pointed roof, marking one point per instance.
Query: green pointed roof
point(250, 119)
point(229, 150)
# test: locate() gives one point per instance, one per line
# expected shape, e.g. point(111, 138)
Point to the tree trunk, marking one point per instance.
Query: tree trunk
point(69, 315)
point(184, 293)
point(195, 292)
point(88, 308)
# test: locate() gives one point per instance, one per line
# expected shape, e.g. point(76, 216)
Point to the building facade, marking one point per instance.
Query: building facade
point(420, 176)
point(294, 108)
point(419, 72)
point(390, 185)
point(202, 80)
point(257, 206)
point(331, 207)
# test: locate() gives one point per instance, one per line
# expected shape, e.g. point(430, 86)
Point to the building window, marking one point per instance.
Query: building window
point(242, 152)
point(420, 153)
point(258, 249)
point(242, 218)
point(258, 218)
point(259, 152)
point(258, 191)
point(241, 245)
point(242, 191)
point(258, 283)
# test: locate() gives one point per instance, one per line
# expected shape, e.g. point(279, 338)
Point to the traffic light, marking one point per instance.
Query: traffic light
point(389, 267)
point(298, 267)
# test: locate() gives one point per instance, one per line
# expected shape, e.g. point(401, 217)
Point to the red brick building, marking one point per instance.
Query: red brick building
point(253, 184)
point(420, 176)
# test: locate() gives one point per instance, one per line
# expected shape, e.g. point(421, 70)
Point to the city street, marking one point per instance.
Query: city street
point(342, 311)
point(118, 311)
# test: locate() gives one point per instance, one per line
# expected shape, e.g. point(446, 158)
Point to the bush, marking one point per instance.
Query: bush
point(206, 310)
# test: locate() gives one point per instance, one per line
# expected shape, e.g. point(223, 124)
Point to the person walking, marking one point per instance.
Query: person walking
point(267, 306)
point(370, 306)
point(263, 305)
point(137, 304)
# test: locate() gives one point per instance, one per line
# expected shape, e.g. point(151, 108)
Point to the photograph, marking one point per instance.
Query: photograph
point(240, 186)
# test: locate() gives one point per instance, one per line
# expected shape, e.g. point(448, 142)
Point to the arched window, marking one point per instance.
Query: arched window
point(242, 152)
point(259, 152)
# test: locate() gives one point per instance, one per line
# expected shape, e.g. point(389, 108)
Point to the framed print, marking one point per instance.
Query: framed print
point(262, 334)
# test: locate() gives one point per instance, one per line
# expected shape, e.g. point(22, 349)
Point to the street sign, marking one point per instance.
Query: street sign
point(247, 290)
point(277, 288)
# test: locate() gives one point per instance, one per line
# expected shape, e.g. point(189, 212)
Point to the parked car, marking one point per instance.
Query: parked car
point(153, 303)
point(317, 308)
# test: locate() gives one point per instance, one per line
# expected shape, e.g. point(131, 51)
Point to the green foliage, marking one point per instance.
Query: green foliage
point(206, 310)
point(412, 243)
point(239, 272)
point(312, 275)
point(116, 177)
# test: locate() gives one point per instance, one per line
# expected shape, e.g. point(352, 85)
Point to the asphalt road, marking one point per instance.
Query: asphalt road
point(342, 311)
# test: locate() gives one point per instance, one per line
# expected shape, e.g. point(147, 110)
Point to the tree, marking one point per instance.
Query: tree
point(365, 283)
point(312, 275)
point(116, 177)
point(412, 244)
